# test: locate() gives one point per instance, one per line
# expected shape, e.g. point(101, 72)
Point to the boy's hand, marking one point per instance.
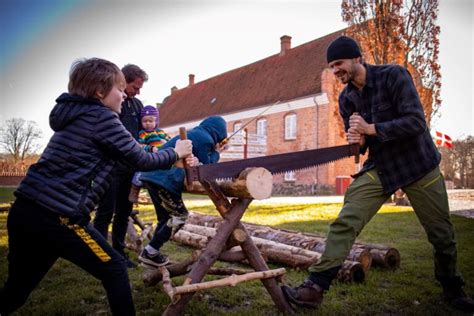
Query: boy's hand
point(183, 148)
point(191, 161)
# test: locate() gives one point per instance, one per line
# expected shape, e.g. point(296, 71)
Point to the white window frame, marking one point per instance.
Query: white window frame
point(290, 176)
point(237, 126)
point(262, 127)
point(290, 126)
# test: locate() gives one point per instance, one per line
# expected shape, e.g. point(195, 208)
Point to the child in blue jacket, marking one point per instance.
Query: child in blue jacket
point(166, 186)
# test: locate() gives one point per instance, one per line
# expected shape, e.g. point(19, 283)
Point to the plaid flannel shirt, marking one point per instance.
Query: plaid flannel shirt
point(402, 151)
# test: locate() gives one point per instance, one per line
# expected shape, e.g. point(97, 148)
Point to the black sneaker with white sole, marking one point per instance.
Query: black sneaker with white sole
point(156, 260)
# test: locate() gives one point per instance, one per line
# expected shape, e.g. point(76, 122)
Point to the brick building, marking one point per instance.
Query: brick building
point(305, 117)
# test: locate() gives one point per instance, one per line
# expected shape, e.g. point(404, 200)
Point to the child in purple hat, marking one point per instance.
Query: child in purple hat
point(150, 138)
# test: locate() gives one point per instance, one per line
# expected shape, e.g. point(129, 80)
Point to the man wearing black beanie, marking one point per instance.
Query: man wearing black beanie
point(382, 112)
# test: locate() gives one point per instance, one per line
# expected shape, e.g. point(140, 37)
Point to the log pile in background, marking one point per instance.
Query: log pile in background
point(367, 254)
point(197, 236)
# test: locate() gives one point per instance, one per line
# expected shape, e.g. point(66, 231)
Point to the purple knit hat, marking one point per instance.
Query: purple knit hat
point(149, 110)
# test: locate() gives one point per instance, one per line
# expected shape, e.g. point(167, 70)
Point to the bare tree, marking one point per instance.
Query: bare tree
point(19, 138)
point(403, 32)
point(457, 163)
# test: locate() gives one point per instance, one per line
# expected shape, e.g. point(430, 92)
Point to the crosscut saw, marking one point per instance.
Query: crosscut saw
point(274, 163)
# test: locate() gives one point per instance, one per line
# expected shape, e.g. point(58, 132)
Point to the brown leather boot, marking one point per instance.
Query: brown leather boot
point(458, 298)
point(308, 294)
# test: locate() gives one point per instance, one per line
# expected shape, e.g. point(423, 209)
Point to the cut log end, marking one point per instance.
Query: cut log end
point(387, 258)
point(351, 271)
point(259, 183)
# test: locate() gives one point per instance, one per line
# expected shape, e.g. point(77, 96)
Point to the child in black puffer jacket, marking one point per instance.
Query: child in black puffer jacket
point(50, 217)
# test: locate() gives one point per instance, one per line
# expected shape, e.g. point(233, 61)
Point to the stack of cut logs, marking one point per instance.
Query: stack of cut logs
point(293, 249)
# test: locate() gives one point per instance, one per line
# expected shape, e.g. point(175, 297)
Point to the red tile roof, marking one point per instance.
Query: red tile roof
point(295, 74)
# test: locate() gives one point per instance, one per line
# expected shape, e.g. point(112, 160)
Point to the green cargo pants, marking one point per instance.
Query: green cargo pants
point(363, 199)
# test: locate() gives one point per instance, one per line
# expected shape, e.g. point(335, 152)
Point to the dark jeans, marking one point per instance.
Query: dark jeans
point(37, 237)
point(170, 211)
point(115, 204)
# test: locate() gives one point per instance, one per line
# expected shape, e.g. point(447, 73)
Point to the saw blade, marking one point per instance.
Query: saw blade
point(276, 164)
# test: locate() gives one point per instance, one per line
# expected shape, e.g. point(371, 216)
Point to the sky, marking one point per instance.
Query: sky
point(170, 39)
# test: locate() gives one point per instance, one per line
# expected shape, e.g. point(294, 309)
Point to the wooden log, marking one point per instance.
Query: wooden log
point(233, 255)
point(227, 271)
point(365, 253)
point(147, 230)
point(233, 280)
point(152, 277)
point(133, 241)
point(190, 239)
point(167, 285)
point(291, 256)
point(252, 183)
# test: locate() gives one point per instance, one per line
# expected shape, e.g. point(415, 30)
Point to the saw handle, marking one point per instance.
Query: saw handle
point(188, 182)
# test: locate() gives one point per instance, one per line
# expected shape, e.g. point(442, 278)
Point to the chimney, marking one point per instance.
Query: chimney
point(285, 42)
point(173, 89)
point(191, 80)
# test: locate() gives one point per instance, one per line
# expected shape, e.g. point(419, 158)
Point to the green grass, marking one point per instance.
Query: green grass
point(6, 194)
point(411, 290)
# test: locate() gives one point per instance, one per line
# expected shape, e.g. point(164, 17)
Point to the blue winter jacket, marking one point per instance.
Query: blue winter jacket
point(73, 171)
point(210, 132)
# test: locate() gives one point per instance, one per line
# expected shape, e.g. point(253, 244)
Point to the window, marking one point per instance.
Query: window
point(290, 126)
point(290, 176)
point(262, 127)
point(237, 126)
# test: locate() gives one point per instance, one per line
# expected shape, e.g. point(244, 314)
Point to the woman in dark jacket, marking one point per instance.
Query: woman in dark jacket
point(166, 186)
point(50, 217)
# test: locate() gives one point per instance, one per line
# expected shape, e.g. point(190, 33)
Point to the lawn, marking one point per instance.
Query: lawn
point(411, 290)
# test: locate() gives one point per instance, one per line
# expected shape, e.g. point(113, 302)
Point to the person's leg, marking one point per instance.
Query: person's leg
point(27, 226)
point(162, 231)
point(106, 208)
point(171, 214)
point(429, 199)
point(86, 247)
point(363, 199)
point(122, 212)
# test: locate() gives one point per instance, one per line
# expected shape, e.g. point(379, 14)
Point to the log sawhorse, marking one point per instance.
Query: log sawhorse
point(229, 234)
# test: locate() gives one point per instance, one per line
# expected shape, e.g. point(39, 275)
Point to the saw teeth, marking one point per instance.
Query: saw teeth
point(307, 168)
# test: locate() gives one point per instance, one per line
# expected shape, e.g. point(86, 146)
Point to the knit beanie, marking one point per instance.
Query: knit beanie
point(149, 110)
point(343, 47)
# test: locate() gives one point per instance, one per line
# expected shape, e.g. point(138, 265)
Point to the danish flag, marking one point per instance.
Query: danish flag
point(443, 140)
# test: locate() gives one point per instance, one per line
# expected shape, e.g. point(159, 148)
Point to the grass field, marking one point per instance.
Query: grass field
point(411, 290)
point(6, 194)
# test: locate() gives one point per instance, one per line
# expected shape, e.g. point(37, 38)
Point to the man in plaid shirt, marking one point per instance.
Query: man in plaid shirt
point(382, 112)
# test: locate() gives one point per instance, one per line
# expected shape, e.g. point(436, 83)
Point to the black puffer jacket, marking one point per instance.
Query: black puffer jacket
point(72, 173)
